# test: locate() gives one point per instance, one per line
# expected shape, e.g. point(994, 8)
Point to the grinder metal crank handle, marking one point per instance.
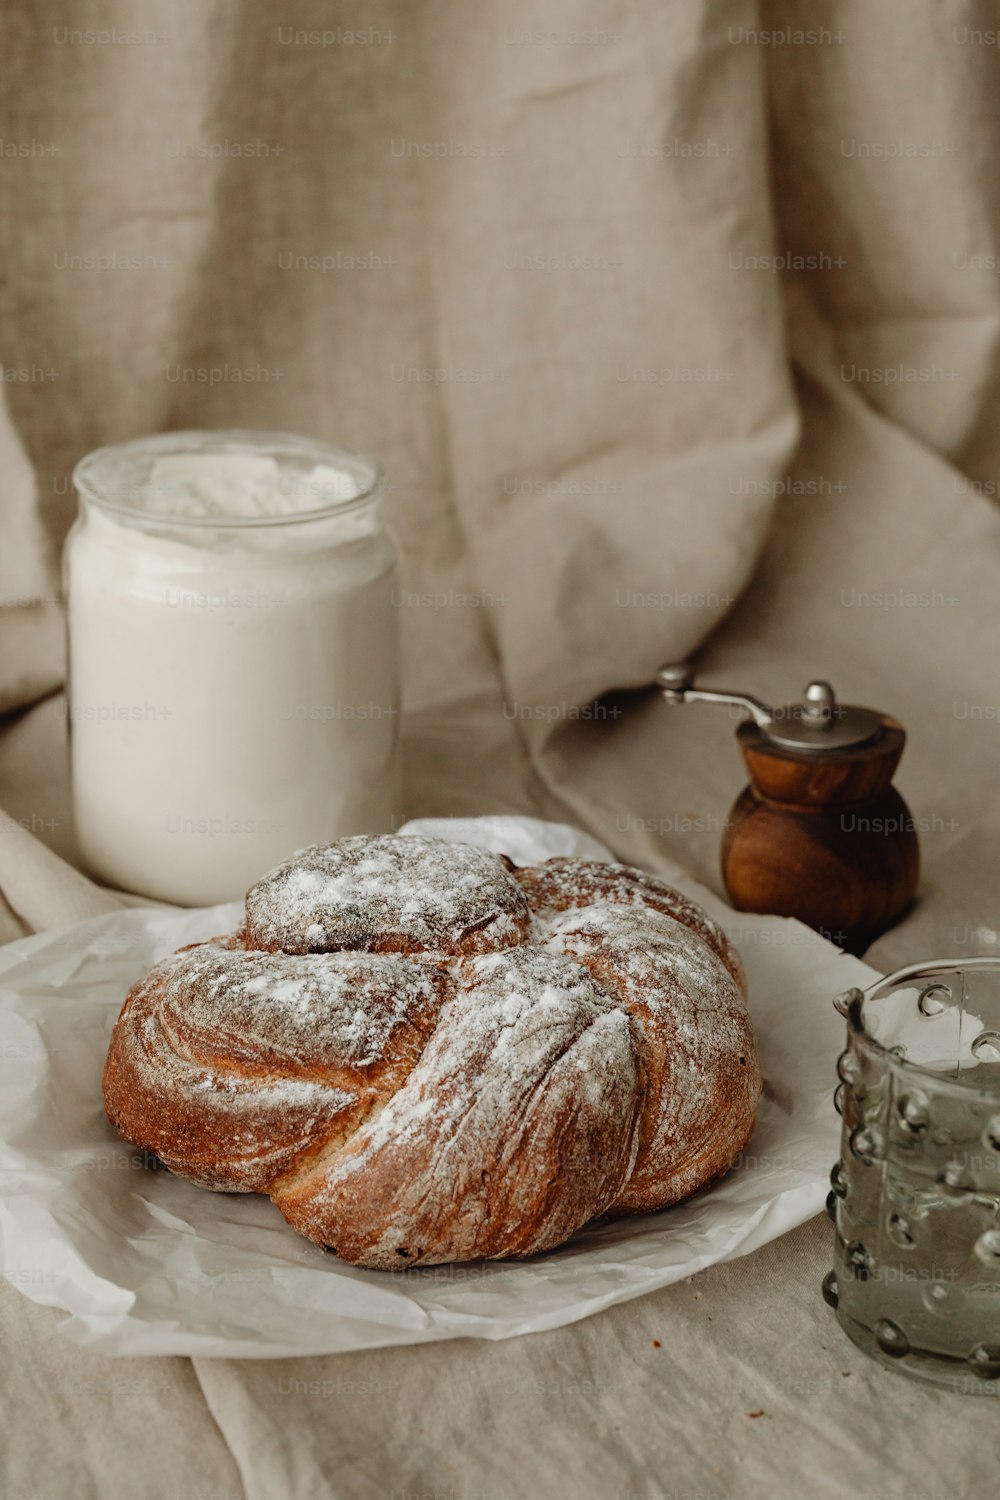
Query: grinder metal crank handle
point(815, 724)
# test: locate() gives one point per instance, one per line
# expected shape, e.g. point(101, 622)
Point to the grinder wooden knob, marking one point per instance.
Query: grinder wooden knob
point(820, 833)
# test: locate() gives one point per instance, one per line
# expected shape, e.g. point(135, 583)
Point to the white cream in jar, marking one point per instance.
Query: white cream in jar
point(233, 659)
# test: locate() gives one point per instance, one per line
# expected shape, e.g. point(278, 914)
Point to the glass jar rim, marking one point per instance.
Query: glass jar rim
point(913, 974)
point(94, 474)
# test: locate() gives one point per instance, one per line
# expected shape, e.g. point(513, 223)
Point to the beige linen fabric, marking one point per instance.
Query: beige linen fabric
point(585, 377)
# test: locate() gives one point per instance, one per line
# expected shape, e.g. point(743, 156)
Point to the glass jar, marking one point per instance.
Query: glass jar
point(916, 1194)
point(233, 658)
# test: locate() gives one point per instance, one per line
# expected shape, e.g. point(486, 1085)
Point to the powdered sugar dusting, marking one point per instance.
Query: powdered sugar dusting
point(512, 1008)
point(388, 894)
point(224, 1129)
point(297, 1012)
point(562, 884)
point(528, 1044)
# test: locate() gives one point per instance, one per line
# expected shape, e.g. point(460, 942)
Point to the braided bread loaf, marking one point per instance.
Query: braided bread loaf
point(425, 1054)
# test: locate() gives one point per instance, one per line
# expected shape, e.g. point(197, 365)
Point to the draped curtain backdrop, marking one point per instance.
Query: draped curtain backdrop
point(673, 325)
point(677, 328)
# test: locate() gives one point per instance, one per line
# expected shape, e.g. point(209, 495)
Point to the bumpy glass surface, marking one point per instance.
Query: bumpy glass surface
point(915, 1196)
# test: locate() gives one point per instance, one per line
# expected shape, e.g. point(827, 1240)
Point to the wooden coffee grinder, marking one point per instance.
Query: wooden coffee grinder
point(820, 833)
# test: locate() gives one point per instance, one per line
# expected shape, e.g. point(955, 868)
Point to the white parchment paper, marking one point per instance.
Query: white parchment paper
point(147, 1263)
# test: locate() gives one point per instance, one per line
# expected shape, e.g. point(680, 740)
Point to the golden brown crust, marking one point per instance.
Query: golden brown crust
point(563, 884)
point(231, 1066)
point(511, 1053)
point(697, 1050)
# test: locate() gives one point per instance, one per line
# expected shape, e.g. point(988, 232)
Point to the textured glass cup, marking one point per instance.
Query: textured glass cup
point(916, 1194)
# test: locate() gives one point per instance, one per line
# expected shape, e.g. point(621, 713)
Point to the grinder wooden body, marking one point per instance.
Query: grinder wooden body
point(825, 838)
